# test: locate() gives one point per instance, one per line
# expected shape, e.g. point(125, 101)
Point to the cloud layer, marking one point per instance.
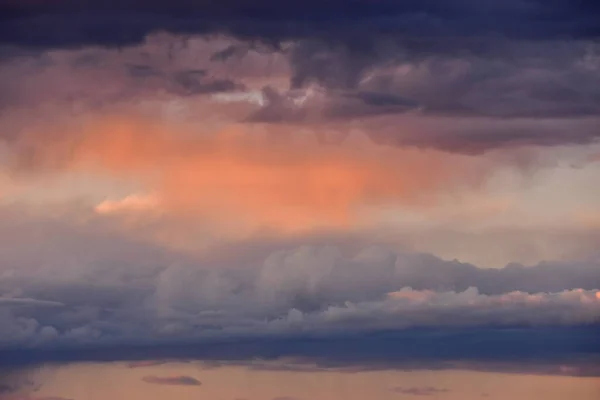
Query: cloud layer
point(174, 380)
point(428, 93)
point(268, 19)
point(275, 145)
point(118, 291)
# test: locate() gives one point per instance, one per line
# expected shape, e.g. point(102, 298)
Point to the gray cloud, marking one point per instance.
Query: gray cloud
point(116, 291)
point(524, 94)
point(145, 363)
point(24, 302)
point(174, 380)
point(17, 381)
point(420, 391)
point(410, 92)
point(110, 23)
point(29, 397)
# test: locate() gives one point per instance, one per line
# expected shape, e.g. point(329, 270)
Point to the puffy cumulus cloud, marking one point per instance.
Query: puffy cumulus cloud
point(460, 309)
point(173, 380)
point(129, 300)
point(107, 289)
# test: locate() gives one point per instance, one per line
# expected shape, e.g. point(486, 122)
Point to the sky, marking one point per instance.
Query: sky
point(408, 189)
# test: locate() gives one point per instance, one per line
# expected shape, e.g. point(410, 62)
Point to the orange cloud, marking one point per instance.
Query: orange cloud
point(240, 178)
point(128, 204)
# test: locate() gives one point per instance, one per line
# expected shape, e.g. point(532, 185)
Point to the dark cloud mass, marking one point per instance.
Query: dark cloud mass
point(496, 349)
point(459, 94)
point(113, 22)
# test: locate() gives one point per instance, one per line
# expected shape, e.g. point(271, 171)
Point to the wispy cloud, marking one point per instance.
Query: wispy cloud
point(145, 363)
point(420, 391)
point(25, 302)
point(173, 380)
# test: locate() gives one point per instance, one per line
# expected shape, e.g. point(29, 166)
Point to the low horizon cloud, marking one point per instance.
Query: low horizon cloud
point(172, 380)
point(420, 391)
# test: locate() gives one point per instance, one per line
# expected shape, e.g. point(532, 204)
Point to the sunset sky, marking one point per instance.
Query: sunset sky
point(408, 189)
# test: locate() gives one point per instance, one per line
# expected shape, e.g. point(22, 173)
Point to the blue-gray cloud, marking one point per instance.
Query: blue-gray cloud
point(420, 390)
point(172, 380)
point(111, 23)
point(118, 291)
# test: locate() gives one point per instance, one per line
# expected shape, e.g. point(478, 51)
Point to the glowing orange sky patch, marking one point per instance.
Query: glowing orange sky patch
point(243, 178)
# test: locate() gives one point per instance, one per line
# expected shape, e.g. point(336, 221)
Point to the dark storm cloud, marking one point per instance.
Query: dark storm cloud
point(487, 349)
point(504, 79)
point(35, 23)
point(465, 92)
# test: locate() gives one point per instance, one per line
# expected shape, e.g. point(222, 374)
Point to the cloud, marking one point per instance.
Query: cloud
point(24, 302)
point(131, 203)
point(565, 351)
point(270, 124)
point(117, 291)
point(175, 380)
point(27, 397)
point(30, 397)
point(269, 20)
point(464, 96)
point(419, 391)
point(145, 363)
point(15, 383)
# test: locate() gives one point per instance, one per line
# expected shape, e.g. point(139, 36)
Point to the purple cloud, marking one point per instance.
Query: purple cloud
point(420, 391)
point(173, 380)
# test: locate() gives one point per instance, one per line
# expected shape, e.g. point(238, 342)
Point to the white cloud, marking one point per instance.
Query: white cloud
point(131, 203)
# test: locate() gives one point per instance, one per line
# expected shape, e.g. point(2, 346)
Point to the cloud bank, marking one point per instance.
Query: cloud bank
point(268, 19)
point(135, 293)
